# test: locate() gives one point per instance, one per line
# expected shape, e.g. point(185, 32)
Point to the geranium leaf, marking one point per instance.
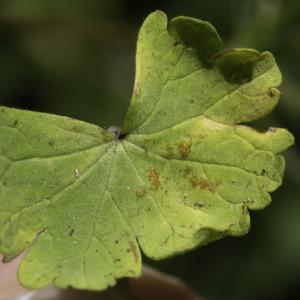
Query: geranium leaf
point(183, 172)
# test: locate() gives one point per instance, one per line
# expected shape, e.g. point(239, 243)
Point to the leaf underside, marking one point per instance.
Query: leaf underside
point(83, 202)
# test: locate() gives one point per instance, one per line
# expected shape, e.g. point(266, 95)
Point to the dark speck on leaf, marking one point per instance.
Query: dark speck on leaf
point(141, 191)
point(199, 204)
point(71, 232)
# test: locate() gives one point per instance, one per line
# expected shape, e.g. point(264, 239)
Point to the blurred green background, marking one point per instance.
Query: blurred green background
point(76, 58)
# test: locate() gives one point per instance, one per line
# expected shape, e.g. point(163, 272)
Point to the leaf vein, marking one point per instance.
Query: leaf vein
point(64, 189)
point(236, 90)
point(155, 203)
point(200, 162)
point(164, 85)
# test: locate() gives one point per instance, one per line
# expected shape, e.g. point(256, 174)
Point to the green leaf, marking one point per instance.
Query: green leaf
point(83, 200)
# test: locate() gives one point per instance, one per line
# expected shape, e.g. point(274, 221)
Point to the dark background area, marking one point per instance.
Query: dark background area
point(76, 58)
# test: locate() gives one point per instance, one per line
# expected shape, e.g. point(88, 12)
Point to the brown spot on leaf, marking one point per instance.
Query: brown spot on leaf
point(188, 171)
point(153, 178)
point(202, 183)
point(184, 148)
point(141, 191)
point(134, 250)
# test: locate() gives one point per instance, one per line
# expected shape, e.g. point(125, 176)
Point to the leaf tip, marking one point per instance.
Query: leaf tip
point(197, 34)
point(157, 18)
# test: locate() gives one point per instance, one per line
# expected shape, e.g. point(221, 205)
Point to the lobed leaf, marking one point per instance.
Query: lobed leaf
point(84, 201)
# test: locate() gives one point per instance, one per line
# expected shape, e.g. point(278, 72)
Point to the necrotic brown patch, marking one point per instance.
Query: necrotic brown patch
point(184, 148)
point(202, 183)
point(153, 178)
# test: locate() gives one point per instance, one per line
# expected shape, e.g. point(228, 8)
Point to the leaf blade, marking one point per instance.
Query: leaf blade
point(84, 202)
point(42, 197)
point(190, 85)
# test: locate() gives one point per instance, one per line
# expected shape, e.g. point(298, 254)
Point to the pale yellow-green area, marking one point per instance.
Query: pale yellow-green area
point(84, 202)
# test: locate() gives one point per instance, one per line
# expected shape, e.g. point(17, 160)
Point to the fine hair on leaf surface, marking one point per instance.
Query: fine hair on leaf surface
point(184, 170)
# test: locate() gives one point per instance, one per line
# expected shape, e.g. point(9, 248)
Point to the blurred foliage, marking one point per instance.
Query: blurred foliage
point(76, 58)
